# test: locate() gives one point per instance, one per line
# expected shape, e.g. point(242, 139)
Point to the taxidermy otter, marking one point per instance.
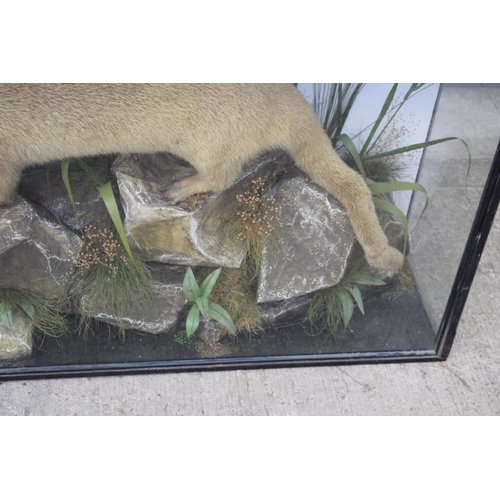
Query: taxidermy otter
point(215, 127)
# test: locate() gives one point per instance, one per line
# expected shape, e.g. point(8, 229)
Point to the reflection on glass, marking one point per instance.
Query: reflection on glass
point(438, 237)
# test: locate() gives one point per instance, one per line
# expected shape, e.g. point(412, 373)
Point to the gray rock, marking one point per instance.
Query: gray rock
point(315, 243)
point(45, 187)
point(16, 344)
point(210, 332)
point(284, 312)
point(160, 316)
point(36, 251)
point(168, 233)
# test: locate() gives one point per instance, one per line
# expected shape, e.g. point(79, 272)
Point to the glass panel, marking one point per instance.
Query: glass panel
point(282, 285)
point(470, 112)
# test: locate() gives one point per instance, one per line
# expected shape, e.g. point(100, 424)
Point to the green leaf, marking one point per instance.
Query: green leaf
point(421, 145)
point(209, 282)
point(65, 177)
point(392, 209)
point(202, 303)
point(193, 320)
point(332, 103)
point(369, 280)
point(388, 187)
point(6, 315)
point(190, 286)
point(346, 140)
point(108, 197)
point(354, 290)
point(28, 308)
point(347, 306)
point(222, 316)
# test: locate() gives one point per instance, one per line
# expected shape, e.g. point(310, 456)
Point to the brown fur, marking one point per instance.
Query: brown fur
point(216, 127)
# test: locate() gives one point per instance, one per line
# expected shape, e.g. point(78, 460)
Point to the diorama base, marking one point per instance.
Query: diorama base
point(399, 325)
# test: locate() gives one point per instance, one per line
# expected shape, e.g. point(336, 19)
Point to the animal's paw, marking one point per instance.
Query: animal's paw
point(389, 259)
point(172, 194)
point(183, 188)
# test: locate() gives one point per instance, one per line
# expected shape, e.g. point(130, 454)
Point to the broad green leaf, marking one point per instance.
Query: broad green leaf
point(346, 140)
point(392, 209)
point(381, 116)
point(28, 308)
point(369, 280)
point(202, 303)
point(6, 314)
point(193, 320)
point(347, 306)
point(222, 316)
point(388, 187)
point(209, 282)
point(109, 200)
point(354, 290)
point(65, 177)
point(190, 286)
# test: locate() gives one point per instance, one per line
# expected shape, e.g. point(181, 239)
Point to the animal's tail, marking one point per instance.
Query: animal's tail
point(316, 157)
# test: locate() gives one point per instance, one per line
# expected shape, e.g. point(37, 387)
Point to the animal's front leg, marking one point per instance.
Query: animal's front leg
point(215, 178)
point(187, 186)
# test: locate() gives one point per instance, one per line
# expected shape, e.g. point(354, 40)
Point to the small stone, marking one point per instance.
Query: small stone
point(36, 251)
point(16, 344)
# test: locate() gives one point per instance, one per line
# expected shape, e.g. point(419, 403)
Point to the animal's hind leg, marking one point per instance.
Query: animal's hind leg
point(9, 178)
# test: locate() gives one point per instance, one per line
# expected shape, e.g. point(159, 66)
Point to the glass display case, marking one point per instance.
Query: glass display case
point(303, 294)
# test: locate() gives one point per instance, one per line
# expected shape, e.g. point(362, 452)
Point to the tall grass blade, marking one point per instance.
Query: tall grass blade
point(90, 172)
point(65, 177)
point(332, 103)
point(109, 200)
point(421, 145)
point(389, 187)
point(383, 112)
point(346, 140)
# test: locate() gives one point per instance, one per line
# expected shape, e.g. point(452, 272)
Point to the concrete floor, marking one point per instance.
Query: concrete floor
point(466, 384)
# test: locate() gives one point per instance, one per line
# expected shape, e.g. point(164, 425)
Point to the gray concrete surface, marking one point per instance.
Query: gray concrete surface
point(466, 384)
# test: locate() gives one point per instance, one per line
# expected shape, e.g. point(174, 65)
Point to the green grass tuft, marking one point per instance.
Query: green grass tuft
point(107, 279)
point(335, 305)
point(47, 319)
